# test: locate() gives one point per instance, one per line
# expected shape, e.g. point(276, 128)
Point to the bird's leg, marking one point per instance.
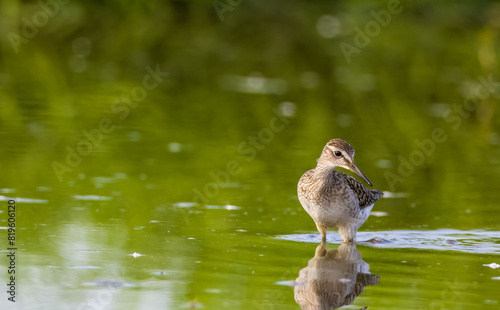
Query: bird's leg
point(347, 233)
point(322, 229)
point(321, 249)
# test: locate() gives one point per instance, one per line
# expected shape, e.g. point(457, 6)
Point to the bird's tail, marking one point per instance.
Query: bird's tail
point(378, 193)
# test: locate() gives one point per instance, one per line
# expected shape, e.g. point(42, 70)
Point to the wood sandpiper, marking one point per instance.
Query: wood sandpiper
point(333, 198)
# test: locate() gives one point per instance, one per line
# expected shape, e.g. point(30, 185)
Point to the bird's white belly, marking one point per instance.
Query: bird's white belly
point(339, 215)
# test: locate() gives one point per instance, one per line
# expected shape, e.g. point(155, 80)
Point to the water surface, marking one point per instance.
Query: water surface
point(186, 195)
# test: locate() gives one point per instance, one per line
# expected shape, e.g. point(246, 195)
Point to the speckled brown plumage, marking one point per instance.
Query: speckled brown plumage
point(366, 196)
point(333, 198)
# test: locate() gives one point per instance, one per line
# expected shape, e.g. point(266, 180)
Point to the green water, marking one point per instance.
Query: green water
point(153, 151)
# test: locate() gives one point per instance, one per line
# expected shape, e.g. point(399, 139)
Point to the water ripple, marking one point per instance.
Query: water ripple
point(91, 197)
point(24, 200)
point(469, 241)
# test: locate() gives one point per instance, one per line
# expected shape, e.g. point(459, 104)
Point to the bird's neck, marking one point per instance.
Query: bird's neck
point(324, 169)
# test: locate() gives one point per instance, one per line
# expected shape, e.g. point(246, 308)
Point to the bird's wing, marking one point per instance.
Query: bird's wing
point(366, 196)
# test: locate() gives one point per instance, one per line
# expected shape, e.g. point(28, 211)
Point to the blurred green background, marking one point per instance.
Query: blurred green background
point(261, 86)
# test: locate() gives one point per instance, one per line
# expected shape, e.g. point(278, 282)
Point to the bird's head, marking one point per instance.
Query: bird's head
point(339, 153)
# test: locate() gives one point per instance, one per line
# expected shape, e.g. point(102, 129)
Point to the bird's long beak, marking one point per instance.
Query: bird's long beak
point(356, 170)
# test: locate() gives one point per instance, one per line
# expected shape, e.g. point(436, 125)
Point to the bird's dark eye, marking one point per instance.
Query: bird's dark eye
point(338, 153)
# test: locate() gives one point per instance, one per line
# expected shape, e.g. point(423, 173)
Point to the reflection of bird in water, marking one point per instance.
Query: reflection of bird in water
point(333, 198)
point(333, 279)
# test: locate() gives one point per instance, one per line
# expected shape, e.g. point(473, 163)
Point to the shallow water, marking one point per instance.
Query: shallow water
point(185, 255)
point(189, 201)
point(472, 241)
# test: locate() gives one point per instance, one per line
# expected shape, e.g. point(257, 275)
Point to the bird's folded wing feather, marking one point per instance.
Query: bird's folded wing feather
point(366, 196)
